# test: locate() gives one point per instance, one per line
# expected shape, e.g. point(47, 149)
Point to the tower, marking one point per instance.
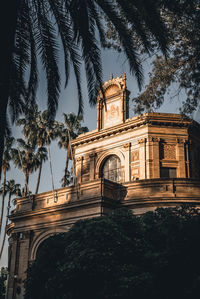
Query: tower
point(113, 105)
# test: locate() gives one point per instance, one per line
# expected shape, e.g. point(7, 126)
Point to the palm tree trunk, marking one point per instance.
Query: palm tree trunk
point(38, 178)
point(26, 182)
point(8, 8)
point(50, 164)
point(66, 167)
point(4, 236)
point(3, 199)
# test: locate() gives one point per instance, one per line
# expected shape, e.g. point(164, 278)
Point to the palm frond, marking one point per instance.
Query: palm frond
point(46, 42)
point(126, 38)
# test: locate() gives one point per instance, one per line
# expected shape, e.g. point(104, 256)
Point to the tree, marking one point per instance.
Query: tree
point(32, 125)
point(41, 156)
point(69, 131)
point(30, 29)
point(181, 69)
point(121, 256)
point(3, 278)
point(7, 157)
point(47, 130)
point(24, 157)
point(11, 189)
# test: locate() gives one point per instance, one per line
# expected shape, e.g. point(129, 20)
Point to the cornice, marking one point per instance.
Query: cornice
point(148, 119)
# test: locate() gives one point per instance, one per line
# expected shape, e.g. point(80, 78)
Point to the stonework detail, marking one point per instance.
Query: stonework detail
point(167, 151)
point(142, 140)
point(135, 173)
point(127, 145)
point(79, 159)
point(111, 90)
point(85, 169)
point(135, 156)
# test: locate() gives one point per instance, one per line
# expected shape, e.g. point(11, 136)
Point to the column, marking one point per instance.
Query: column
point(181, 171)
point(23, 258)
point(92, 166)
point(142, 157)
point(13, 242)
point(78, 170)
point(187, 159)
point(154, 158)
point(127, 168)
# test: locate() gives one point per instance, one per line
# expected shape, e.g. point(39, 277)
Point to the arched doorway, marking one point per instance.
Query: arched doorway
point(111, 169)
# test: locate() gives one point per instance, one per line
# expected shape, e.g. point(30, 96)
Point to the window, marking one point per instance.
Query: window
point(167, 172)
point(111, 169)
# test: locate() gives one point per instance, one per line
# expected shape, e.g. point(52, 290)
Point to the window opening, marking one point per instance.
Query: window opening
point(111, 169)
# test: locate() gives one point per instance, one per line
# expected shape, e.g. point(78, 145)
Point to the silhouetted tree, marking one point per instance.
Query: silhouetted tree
point(69, 130)
point(3, 278)
point(121, 256)
point(7, 157)
point(11, 189)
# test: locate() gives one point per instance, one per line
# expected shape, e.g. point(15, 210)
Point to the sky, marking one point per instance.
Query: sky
point(112, 63)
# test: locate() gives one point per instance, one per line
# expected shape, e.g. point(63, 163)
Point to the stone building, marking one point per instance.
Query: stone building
point(142, 162)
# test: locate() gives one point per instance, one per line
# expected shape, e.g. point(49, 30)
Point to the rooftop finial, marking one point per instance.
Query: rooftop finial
point(111, 76)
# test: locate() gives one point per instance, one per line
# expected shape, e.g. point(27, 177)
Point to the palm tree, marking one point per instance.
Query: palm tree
point(47, 131)
point(7, 157)
point(24, 157)
point(11, 189)
point(41, 156)
point(31, 29)
point(32, 125)
point(69, 130)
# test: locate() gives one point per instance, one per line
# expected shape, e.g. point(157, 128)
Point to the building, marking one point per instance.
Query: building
point(143, 162)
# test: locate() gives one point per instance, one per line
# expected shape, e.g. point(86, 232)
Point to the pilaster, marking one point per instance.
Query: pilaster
point(154, 159)
point(181, 171)
point(92, 165)
point(142, 155)
point(127, 169)
point(78, 170)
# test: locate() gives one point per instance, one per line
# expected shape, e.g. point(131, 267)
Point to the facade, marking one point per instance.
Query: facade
point(142, 162)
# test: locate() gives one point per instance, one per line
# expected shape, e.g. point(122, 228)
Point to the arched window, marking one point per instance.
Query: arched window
point(111, 169)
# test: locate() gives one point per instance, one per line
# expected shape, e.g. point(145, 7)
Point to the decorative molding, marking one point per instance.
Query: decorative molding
point(92, 155)
point(142, 140)
point(85, 169)
point(130, 124)
point(153, 139)
point(167, 151)
point(79, 159)
point(127, 145)
point(180, 140)
point(135, 156)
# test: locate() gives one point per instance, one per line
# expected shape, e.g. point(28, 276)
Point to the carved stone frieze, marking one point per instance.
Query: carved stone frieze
point(85, 168)
point(167, 151)
point(135, 156)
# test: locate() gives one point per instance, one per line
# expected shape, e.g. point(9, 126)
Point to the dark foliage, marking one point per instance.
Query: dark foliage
point(3, 278)
point(121, 256)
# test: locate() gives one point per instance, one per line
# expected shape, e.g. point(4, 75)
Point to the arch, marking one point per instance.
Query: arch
point(112, 90)
point(43, 236)
point(102, 158)
point(111, 169)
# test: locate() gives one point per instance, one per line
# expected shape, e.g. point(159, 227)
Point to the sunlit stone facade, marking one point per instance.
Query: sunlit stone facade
point(143, 162)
